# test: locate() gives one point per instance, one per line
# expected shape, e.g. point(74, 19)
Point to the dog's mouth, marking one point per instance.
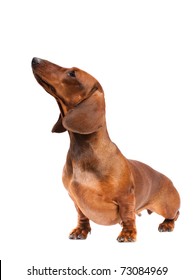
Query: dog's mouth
point(48, 87)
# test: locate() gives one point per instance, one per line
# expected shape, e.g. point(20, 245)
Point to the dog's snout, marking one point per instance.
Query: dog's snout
point(35, 61)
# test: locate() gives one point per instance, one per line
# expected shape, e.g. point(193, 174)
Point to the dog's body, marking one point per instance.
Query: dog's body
point(106, 187)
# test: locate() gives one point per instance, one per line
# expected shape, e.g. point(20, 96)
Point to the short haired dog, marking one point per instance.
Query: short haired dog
point(104, 185)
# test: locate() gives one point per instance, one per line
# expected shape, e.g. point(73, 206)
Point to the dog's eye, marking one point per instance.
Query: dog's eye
point(71, 74)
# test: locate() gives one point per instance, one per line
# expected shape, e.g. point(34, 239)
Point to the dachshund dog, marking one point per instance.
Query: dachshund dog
point(105, 187)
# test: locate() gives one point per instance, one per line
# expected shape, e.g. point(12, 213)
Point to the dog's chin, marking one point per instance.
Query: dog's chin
point(47, 87)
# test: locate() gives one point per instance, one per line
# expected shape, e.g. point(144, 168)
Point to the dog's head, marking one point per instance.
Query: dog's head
point(79, 95)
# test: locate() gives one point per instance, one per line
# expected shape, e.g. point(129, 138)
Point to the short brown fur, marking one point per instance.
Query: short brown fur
point(106, 187)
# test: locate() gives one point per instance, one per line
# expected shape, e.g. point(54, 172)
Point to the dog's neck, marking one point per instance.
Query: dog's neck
point(82, 144)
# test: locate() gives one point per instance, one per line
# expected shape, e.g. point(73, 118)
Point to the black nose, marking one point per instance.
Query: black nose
point(35, 61)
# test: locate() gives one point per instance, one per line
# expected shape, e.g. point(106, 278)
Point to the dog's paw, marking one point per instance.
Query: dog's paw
point(79, 233)
point(166, 226)
point(127, 236)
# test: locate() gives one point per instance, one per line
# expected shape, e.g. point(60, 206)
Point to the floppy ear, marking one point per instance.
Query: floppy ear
point(88, 116)
point(58, 127)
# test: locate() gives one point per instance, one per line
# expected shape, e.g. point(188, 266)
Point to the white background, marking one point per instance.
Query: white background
point(142, 52)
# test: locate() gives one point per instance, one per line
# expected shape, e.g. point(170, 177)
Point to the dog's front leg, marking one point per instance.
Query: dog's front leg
point(83, 226)
point(126, 205)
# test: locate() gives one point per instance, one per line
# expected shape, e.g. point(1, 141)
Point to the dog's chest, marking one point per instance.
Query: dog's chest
point(92, 196)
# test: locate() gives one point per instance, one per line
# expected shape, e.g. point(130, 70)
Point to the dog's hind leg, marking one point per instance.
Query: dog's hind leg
point(168, 224)
point(166, 204)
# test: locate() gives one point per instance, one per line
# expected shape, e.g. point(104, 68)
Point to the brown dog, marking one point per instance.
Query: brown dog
point(106, 187)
